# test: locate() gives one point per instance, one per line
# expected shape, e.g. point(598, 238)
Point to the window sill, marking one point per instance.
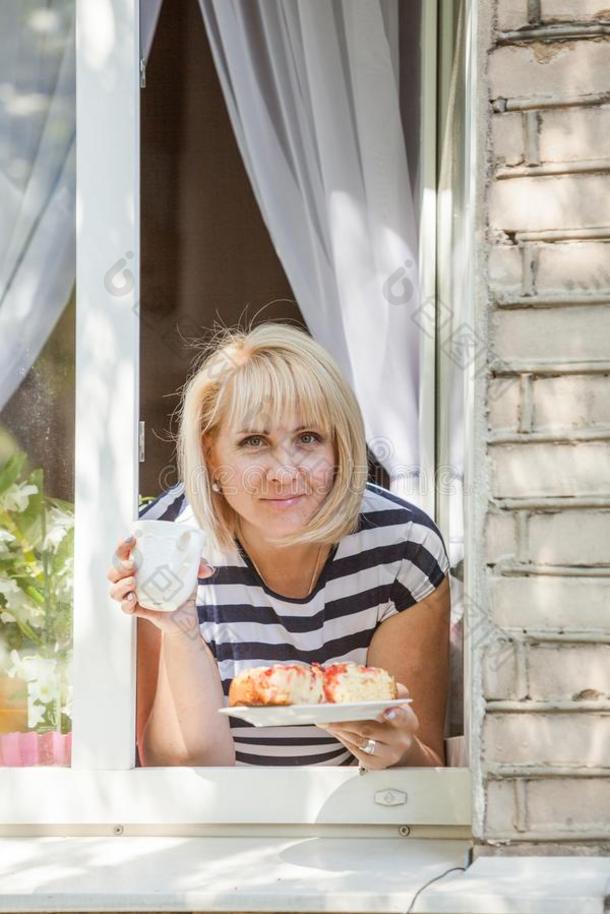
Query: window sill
point(313, 874)
point(521, 885)
point(220, 873)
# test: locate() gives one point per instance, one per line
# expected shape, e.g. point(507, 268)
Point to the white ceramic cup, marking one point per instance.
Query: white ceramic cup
point(167, 557)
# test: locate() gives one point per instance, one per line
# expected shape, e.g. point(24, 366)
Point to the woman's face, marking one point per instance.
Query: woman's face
point(275, 478)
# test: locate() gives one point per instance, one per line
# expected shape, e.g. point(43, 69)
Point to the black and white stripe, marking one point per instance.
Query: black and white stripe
point(395, 559)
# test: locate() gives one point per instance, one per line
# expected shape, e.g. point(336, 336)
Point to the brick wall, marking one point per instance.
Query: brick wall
point(543, 732)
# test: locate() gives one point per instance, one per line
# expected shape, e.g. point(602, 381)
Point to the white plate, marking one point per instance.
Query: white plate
point(289, 715)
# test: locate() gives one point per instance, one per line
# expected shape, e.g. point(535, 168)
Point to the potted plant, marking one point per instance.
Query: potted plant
point(36, 571)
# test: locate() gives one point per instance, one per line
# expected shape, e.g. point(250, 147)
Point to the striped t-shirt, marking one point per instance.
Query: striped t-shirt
point(396, 558)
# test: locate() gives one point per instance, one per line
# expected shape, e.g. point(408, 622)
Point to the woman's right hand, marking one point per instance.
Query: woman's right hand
point(121, 574)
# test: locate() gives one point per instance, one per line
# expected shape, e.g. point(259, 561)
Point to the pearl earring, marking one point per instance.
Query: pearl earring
point(216, 487)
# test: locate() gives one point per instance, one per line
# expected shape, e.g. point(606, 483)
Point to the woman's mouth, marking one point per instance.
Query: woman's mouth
point(287, 502)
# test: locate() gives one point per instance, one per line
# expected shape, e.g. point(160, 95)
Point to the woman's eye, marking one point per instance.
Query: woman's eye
point(251, 438)
point(257, 438)
point(311, 435)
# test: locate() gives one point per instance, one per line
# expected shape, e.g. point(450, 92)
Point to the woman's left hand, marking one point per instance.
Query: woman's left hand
point(392, 731)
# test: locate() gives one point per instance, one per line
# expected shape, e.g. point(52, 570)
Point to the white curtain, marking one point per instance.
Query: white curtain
point(149, 18)
point(37, 178)
point(311, 87)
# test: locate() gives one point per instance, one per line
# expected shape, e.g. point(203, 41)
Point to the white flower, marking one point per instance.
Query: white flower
point(43, 679)
point(5, 538)
point(17, 496)
point(19, 604)
point(31, 667)
point(13, 594)
point(58, 524)
point(44, 690)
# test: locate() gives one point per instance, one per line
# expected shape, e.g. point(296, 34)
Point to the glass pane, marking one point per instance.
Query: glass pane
point(37, 328)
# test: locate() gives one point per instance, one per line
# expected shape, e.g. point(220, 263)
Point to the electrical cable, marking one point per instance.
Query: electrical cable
point(430, 881)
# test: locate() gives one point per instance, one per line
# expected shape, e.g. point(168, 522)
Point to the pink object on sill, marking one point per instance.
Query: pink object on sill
point(25, 749)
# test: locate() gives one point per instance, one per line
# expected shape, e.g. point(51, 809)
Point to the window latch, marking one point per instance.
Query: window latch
point(390, 797)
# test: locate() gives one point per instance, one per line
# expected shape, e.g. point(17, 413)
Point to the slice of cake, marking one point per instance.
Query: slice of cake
point(280, 684)
point(301, 684)
point(348, 681)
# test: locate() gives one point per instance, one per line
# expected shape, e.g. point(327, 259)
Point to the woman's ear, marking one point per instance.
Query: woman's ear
point(207, 449)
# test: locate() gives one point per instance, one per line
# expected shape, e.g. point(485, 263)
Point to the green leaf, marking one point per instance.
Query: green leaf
point(11, 470)
point(66, 506)
point(31, 521)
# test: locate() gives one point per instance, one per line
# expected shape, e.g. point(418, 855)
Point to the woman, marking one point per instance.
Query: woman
point(308, 561)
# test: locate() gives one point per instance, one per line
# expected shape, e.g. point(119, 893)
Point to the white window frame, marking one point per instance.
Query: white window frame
point(103, 793)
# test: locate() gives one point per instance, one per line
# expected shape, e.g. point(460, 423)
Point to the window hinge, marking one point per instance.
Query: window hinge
point(142, 73)
point(141, 440)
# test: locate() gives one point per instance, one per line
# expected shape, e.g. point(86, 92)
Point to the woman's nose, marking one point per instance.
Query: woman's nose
point(284, 472)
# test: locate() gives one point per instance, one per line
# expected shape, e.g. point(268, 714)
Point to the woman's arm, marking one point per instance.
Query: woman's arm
point(413, 645)
point(178, 723)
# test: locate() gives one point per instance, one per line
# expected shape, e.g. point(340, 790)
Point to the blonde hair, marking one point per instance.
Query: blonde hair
point(267, 370)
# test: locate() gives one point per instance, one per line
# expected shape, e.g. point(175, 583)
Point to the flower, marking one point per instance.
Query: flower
point(5, 538)
point(44, 683)
point(58, 525)
point(17, 496)
point(18, 605)
point(36, 552)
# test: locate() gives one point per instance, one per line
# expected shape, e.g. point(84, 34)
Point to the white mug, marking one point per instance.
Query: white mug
point(167, 557)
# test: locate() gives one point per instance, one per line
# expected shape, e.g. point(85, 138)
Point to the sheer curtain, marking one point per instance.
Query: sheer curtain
point(312, 93)
point(149, 17)
point(37, 179)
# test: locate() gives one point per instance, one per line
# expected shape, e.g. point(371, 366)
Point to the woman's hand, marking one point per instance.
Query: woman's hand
point(393, 732)
point(183, 620)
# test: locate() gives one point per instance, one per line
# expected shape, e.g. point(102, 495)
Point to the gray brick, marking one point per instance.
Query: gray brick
point(511, 14)
point(500, 535)
point(550, 202)
point(578, 333)
point(547, 805)
point(507, 138)
point(520, 470)
point(564, 672)
point(503, 403)
point(579, 267)
point(546, 739)
point(550, 602)
point(571, 401)
point(570, 538)
point(565, 68)
point(574, 10)
point(574, 134)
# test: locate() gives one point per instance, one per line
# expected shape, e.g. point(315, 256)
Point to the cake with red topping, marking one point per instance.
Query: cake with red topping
point(301, 684)
point(280, 684)
point(345, 682)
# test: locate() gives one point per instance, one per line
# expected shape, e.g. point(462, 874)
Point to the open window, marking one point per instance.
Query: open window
point(170, 237)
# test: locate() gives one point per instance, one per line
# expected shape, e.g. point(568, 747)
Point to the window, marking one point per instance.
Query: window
point(110, 328)
point(37, 357)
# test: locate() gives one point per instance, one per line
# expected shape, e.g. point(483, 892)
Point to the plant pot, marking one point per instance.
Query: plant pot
point(13, 704)
point(20, 750)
